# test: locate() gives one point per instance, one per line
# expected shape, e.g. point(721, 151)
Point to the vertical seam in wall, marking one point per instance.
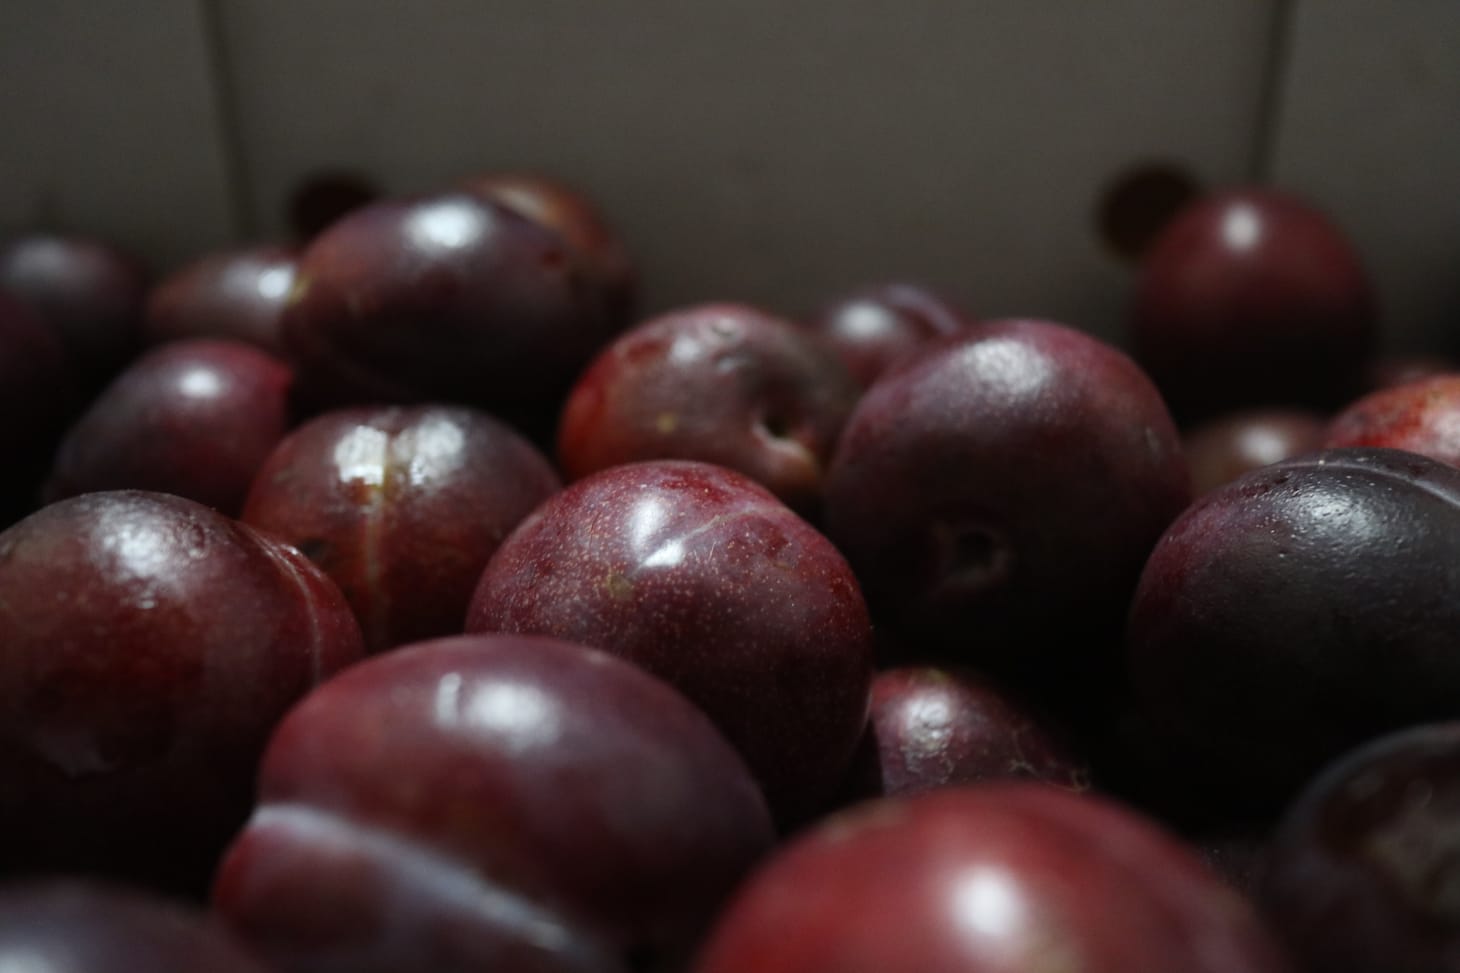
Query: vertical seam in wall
point(1272, 89)
point(235, 157)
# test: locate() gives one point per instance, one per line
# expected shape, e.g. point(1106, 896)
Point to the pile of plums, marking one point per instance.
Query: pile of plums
point(403, 599)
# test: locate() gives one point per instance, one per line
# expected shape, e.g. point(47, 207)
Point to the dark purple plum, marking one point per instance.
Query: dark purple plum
point(1422, 417)
point(559, 207)
point(150, 644)
point(930, 728)
point(491, 803)
point(1363, 871)
point(88, 291)
point(236, 294)
point(78, 927)
point(1001, 878)
point(193, 418)
point(720, 383)
point(874, 327)
point(36, 398)
point(1298, 611)
point(705, 579)
point(998, 494)
point(1250, 297)
point(1222, 449)
point(443, 298)
point(402, 507)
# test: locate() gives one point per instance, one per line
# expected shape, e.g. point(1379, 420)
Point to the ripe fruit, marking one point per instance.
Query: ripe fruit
point(1002, 878)
point(1298, 611)
point(491, 803)
point(150, 645)
point(1223, 449)
point(1362, 873)
point(1250, 297)
point(1422, 417)
point(998, 493)
point(35, 399)
point(719, 383)
point(874, 327)
point(238, 294)
point(702, 577)
point(401, 507)
point(193, 418)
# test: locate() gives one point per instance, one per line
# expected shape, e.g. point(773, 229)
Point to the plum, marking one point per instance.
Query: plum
point(559, 207)
point(1422, 416)
point(1298, 611)
point(193, 418)
point(486, 803)
point(998, 493)
point(238, 294)
point(443, 298)
point(939, 727)
point(705, 579)
point(1251, 297)
point(36, 397)
point(1000, 878)
point(873, 327)
point(402, 507)
point(1220, 450)
point(721, 383)
point(79, 927)
point(1363, 871)
point(149, 645)
point(88, 291)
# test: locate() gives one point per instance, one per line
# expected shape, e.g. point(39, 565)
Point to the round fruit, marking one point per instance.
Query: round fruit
point(1422, 417)
point(236, 294)
point(1223, 449)
point(874, 327)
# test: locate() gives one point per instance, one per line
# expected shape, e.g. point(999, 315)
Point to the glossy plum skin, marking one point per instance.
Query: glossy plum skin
point(874, 327)
point(150, 645)
point(442, 298)
point(1321, 592)
point(77, 927)
point(236, 294)
point(720, 383)
point(1421, 417)
point(88, 291)
point(1001, 878)
point(559, 207)
point(703, 578)
point(402, 507)
point(36, 398)
point(930, 728)
point(192, 418)
point(1250, 297)
point(998, 494)
point(491, 802)
point(1219, 451)
point(1363, 871)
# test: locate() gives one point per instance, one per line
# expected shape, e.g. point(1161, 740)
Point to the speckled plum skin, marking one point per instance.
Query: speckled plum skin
point(192, 418)
point(1222, 449)
point(874, 327)
point(1250, 297)
point(720, 383)
point(705, 579)
point(1001, 878)
point(1363, 871)
point(78, 927)
point(88, 291)
point(491, 803)
point(442, 298)
point(149, 646)
point(998, 494)
point(402, 507)
point(931, 728)
point(1422, 417)
point(36, 398)
point(1300, 610)
point(235, 294)
point(567, 211)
